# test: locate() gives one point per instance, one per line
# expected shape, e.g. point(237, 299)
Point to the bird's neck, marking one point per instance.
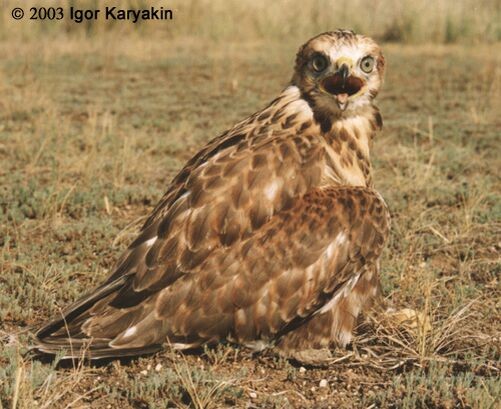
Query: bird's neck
point(347, 136)
point(348, 144)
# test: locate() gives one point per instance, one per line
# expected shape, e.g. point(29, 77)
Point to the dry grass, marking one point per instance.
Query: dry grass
point(91, 130)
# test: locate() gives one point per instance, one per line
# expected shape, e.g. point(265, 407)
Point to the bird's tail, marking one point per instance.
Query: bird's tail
point(64, 337)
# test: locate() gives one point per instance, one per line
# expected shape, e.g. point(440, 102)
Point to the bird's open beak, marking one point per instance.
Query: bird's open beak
point(342, 84)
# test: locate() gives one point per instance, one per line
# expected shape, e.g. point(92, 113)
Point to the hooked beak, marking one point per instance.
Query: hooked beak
point(343, 71)
point(342, 85)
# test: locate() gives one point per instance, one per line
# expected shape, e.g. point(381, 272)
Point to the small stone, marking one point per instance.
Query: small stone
point(323, 383)
point(253, 395)
point(302, 369)
point(145, 372)
point(158, 367)
point(148, 368)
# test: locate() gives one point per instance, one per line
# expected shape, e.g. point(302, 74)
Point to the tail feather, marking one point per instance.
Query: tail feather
point(74, 310)
point(65, 335)
point(71, 348)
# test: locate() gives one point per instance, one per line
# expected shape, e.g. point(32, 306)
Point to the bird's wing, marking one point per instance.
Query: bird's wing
point(272, 281)
point(262, 286)
point(224, 200)
point(224, 195)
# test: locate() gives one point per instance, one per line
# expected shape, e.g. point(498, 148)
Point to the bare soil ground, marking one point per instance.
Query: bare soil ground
point(91, 133)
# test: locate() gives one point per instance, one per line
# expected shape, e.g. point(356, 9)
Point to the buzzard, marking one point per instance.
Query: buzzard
point(268, 237)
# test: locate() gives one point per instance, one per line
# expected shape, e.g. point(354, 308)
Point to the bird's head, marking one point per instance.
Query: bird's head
point(339, 71)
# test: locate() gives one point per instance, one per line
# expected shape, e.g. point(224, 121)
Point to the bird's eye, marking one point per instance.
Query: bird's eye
point(367, 64)
point(319, 63)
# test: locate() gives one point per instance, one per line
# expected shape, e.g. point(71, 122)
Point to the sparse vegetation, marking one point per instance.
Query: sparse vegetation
point(94, 122)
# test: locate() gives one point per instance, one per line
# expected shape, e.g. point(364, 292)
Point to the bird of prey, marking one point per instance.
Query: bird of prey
point(269, 237)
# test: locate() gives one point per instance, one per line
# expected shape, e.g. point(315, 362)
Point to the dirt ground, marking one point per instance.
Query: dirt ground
point(91, 133)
